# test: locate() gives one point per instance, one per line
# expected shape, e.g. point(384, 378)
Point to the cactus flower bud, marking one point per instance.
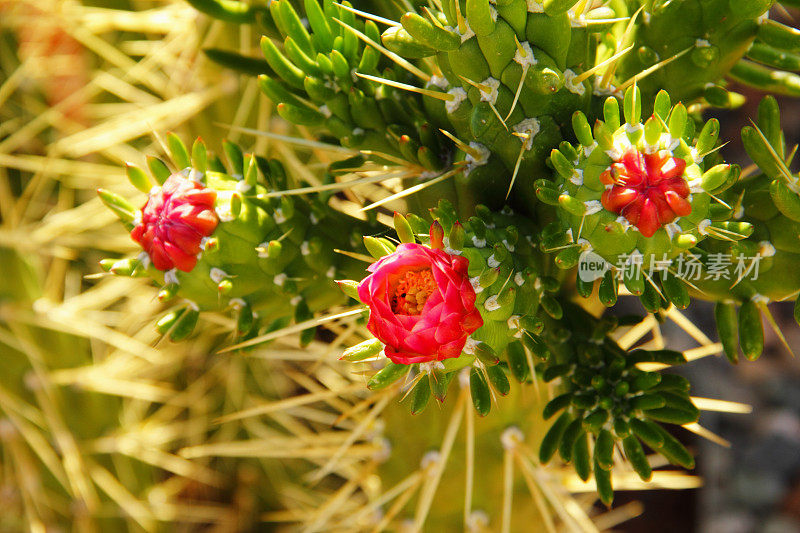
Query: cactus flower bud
point(174, 220)
point(649, 190)
point(421, 302)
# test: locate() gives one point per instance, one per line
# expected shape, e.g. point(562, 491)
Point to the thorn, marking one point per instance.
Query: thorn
point(388, 53)
point(480, 86)
point(517, 165)
point(791, 155)
point(412, 190)
point(581, 7)
point(434, 20)
point(370, 16)
point(686, 281)
point(723, 145)
point(646, 72)
point(627, 37)
point(461, 144)
point(382, 155)
point(699, 430)
point(587, 74)
point(360, 257)
point(597, 22)
point(447, 97)
point(651, 282)
point(580, 228)
point(520, 49)
point(519, 90)
point(462, 24)
point(503, 122)
point(781, 164)
point(775, 327)
point(720, 200)
point(288, 139)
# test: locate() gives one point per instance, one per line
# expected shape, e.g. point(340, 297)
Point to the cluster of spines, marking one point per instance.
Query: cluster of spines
point(499, 125)
point(509, 76)
point(268, 248)
point(691, 63)
point(324, 77)
point(607, 400)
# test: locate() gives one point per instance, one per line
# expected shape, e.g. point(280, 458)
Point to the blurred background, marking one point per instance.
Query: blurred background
point(86, 86)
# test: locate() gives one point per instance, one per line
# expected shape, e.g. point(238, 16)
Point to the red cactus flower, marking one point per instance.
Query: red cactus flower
point(649, 190)
point(175, 219)
point(421, 302)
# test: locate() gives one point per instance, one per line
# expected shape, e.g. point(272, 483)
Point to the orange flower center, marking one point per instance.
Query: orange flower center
point(412, 291)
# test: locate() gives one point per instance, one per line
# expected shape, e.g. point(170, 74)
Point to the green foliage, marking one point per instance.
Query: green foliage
point(604, 395)
point(535, 106)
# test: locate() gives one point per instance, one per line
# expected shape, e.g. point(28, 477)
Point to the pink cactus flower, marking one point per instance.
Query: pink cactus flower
point(649, 190)
point(422, 304)
point(174, 221)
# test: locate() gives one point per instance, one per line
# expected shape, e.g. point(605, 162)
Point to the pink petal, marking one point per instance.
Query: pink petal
point(451, 349)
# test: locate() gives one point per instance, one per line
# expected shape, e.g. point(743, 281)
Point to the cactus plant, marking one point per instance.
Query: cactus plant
point(528, 161)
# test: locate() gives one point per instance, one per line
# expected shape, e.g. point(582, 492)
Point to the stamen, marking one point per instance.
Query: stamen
point(412, 291)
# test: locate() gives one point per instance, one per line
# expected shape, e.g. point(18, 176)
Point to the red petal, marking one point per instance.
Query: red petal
point(635, 167)
point(204, 221)
point(681, 207)
point(153, 207)
point(172, 185)
point(632, 212)
point(422, 343)
point(451, 349)
point(448, 329)
point(648, 218)
point(616, 198)
point(472, 321)
point(678, 185)
point(460, 265)
point(180, 259)
point(654, 163)
point(159, 256)
point(205, 197)
point(136, 233)
point(673, 167)
point(184, 237)
point(405, 358)
point(607, 177)
point(467, 294)
point(663, 210)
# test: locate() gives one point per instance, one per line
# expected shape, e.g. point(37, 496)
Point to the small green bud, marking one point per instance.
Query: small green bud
point(364, 350)
point(168, 292)
point(375, 247)
point(349, 287)
point(479, 390)
point(486, 354)
point(387, 375)
point(457, 236)
point(403, 228)
point(167, 321)
point(138, 178)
